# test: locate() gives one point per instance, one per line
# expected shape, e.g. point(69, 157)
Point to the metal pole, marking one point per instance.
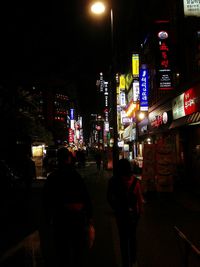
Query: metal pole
point(114, 97)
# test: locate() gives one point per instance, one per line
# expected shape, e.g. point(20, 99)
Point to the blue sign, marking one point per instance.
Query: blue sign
point(144, 88)
point(71, 114)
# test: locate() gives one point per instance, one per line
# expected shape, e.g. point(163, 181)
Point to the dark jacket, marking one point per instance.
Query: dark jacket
point(65, 196)
point(123, 199)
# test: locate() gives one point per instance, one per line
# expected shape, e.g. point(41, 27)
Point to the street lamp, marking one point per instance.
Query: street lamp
point(98, 8)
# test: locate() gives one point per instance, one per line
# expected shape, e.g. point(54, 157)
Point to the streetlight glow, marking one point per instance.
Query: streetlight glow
point(141, 115)
point(98, 8)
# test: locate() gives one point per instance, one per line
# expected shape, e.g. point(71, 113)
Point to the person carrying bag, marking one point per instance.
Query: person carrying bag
point(125, 198)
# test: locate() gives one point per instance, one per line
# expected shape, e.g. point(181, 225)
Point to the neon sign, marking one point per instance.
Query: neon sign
point(144, 89)
point(164, 74)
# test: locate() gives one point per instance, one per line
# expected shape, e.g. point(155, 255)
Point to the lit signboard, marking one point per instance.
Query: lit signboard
point(71, 136)
point(101, 81)
point(135, 65)
point(144, 88)
point(72, 123)
point(186, 103)
point(122, 99)
point(136, 91)
point(122, 82)
point(164, 73)
point(191, 8)
point(131, 108)
point(71, 114)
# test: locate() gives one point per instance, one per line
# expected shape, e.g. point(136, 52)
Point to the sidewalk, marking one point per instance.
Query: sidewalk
point(158, 243)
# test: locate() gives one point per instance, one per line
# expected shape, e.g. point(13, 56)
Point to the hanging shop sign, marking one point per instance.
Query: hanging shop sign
point(72, 122)
point(101, 82)
point(144, 88)
point(136, 91)
point(191, 8)
point(135, 65)
point(122, 82)
point(164, 73)
point(122, 99)
point(71, 136)
point(186, 103)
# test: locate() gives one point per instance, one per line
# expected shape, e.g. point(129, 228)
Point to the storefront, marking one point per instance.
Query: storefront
point(186, 127)
point(158, 154)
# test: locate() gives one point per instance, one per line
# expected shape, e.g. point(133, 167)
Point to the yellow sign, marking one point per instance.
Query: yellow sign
point(135, 65)
point(122, 82)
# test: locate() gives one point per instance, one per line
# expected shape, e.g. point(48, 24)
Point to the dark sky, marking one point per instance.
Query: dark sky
point(58, 38)
point(52, 39)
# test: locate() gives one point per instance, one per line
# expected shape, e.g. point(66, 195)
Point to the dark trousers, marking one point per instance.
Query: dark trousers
point(71, 247)
point(127, 226)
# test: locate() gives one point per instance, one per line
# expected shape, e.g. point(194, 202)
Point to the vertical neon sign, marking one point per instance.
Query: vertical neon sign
point(144, 88)
point(164, 73)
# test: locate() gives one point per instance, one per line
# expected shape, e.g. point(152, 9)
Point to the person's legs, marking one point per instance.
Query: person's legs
point(133, 242)
point(124, 241)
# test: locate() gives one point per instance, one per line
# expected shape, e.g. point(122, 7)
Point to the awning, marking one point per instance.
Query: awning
point(186, 120)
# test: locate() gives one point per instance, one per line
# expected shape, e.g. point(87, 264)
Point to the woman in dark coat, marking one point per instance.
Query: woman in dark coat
point(125, 197)
point(68, 208)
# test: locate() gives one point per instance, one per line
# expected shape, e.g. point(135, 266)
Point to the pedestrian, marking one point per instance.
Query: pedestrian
point(25, 169)
point(98, 159)
point(125, 198)
point(68, 209)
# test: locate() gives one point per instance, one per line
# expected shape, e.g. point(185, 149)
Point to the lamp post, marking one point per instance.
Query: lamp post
point(99, 8)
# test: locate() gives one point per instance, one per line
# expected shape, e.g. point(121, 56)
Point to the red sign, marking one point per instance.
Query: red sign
point(71, 136)
point(163, 69)
point(191, 103)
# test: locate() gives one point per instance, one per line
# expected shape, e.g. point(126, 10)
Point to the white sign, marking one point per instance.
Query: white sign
point(191, 8)
point(178, 107)
point(136, 91)
point(122, 99)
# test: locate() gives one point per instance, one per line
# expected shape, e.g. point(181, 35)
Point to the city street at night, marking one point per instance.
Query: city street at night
point(159, 244)
point(100, 89)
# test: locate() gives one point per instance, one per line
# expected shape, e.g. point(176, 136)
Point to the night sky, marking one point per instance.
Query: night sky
point(58, 39)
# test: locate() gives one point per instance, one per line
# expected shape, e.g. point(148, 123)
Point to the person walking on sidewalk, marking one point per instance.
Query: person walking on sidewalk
point(125, 198)
point(68, 209)
point(98, 159)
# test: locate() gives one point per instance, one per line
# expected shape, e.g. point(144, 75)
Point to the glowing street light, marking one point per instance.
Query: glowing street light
point(99, 8)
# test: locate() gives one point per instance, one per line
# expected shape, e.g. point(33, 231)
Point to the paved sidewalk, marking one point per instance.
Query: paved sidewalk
point(159, 245)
